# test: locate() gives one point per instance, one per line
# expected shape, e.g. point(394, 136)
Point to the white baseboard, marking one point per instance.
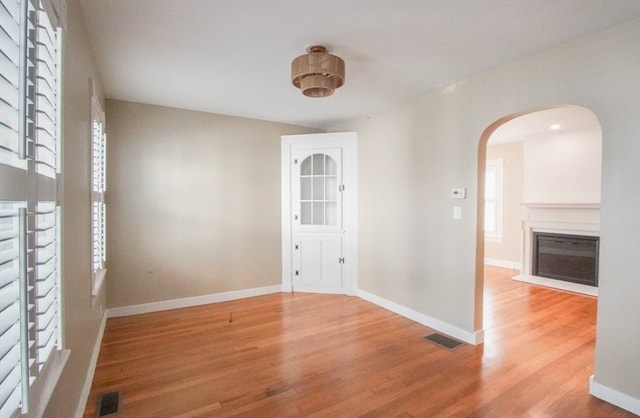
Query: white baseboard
point(86, 387)
point(327, 290)
point(513, 265)
point(614, 397)
point(351, 291)
point(558, 284)
point(475, 337)
point(192, 301)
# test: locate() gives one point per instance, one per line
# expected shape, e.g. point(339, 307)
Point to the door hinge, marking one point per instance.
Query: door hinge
point(297, 272)
point(341, 188)
point(341, 260)
point(296, 247)
point(295, 161)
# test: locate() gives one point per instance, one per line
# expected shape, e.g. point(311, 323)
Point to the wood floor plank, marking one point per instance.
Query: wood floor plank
point(295, 355)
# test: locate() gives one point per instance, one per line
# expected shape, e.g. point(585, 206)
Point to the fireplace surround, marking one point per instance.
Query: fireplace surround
point(573, 219)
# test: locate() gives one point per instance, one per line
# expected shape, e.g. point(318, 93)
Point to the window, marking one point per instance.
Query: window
point(319, 190)
point(98, 181)
point(493, 200)
point(30, 338)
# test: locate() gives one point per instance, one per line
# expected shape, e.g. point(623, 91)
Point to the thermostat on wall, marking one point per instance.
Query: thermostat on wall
point(460, 193)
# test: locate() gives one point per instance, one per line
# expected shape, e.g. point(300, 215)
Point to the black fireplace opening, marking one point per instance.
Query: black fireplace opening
point(572, 258)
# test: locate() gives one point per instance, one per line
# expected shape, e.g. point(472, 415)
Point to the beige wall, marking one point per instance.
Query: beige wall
point(193, 203)
point(563, 168)
point(411, 250)
point(81, 316)
point(509, 249)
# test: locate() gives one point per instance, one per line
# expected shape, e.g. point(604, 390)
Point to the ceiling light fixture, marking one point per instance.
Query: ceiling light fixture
point(317, 74)
point(555, 127)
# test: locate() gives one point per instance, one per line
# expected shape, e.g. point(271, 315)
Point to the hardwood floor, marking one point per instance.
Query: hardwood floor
point(292, 355)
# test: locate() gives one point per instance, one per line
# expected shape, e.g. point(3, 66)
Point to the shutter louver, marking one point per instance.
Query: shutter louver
point(28, 268)
point(10, 309)
point(46, 97)
point(10, 57)
point(29, 79)
point(46, 291)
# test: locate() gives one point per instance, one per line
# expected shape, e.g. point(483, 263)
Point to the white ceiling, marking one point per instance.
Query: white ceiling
point(536, 125)
point(233, 56)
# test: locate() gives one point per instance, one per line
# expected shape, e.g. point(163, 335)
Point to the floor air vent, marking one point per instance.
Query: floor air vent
point(109, 404)
point(444, 341)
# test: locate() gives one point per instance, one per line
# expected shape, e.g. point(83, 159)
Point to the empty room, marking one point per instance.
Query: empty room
point(319, 208)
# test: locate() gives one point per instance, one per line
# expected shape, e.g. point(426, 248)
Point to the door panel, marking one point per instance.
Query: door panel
point(320, 260)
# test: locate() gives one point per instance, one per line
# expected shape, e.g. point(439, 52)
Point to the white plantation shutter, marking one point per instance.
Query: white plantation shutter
point(29, 215)
point(11, 372)
point(10, 83)
point(99, 236)
point(46, 97)
point(46, 282)
point(99, 185)
point(12, 347)
point(28, 91)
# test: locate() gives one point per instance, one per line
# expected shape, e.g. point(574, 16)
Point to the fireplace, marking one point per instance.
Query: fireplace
point(571, 258)
point(561, 271)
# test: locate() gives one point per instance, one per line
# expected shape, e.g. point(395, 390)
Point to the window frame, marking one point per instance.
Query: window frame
point(497, 166)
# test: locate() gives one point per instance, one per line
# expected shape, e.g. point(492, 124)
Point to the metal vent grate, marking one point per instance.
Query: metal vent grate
point(444, 341)
point(109, 404)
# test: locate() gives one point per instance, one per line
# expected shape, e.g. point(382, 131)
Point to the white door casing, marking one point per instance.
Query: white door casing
point(319, 208)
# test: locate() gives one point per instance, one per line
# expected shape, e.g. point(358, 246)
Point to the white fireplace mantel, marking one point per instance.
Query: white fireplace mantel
point(562, 218)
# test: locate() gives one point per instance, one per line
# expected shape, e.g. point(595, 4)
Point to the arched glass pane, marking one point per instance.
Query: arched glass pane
point(305, 167)
point(330, 166)
point(318, 164)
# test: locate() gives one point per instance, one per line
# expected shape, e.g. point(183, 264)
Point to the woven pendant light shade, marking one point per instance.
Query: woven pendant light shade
point(317, 74)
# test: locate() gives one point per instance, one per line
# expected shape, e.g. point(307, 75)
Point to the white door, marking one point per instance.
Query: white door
point(317, 217)
point(316, 189)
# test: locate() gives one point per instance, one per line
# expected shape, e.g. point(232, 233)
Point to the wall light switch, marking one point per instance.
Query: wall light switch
point(459, 193)
point(457, 212)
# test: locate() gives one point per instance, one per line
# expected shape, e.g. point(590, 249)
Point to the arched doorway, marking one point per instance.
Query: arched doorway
point(559, 189)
